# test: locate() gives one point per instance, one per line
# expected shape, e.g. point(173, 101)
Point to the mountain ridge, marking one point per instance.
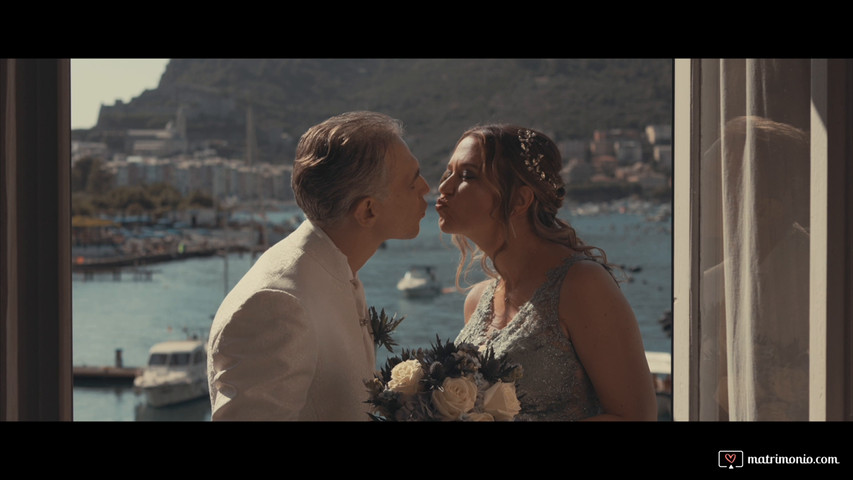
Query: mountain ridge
point(436, 99)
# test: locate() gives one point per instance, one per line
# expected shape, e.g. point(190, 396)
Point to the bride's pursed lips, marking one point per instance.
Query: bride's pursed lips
point(441, 203)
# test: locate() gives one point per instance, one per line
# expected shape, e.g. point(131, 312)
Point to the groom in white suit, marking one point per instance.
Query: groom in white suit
point(292, 340)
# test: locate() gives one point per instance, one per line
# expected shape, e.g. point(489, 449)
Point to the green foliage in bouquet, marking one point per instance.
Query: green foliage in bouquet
point(444, 382)
point(382, 326)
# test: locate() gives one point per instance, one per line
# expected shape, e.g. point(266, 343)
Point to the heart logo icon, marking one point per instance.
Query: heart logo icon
point(730, 457)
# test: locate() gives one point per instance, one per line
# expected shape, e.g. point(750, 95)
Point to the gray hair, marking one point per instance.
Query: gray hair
point(341, 161)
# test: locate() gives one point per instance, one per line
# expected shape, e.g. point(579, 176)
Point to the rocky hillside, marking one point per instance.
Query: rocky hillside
point(436, 98)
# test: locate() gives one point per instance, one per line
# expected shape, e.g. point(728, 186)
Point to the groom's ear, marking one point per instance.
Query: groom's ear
point(522, 199)
point(365, 211)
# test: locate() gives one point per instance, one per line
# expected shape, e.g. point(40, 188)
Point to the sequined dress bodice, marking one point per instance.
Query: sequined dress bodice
point(555, 385)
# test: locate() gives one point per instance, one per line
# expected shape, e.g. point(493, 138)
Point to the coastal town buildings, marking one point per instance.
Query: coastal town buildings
point(220, 177)
point(617, 156)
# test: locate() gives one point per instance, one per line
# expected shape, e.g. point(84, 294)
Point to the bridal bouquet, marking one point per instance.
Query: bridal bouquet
point(445, 382)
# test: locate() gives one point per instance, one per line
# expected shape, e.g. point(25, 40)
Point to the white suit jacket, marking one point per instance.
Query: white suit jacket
point(292, 341)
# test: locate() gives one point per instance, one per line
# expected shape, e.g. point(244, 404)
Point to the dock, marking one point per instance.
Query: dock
point(103, 376)
point(85, 376)
point(87, 264)
point(114, 264)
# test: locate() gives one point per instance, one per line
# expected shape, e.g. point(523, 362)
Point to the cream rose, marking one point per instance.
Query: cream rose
point(456, 396)
point(501, 401)
point(479, 417)
point(406, 377)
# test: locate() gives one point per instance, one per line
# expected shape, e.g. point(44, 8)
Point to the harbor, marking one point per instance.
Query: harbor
point(113, 246)
point(131, 313)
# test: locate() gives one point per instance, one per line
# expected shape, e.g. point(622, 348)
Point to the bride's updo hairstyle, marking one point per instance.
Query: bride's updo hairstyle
point(513, 157)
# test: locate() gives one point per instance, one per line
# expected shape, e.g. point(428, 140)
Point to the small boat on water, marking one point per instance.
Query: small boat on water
point(419, 281)
point(176, 372)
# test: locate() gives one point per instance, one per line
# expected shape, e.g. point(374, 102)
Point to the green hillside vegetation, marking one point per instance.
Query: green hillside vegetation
point(436, 98)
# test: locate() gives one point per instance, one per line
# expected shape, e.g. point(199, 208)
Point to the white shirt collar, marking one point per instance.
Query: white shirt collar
point(320, 246)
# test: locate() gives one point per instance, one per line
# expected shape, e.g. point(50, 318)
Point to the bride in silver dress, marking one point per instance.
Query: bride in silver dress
point(552, 304)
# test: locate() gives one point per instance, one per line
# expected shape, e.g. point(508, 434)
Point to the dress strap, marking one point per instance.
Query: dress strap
point(549, 293)
point(557, 274)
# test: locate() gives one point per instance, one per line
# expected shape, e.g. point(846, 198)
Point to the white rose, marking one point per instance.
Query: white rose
point(501, 401)
point(456, 396)
point(479, 417)
point(406, 377)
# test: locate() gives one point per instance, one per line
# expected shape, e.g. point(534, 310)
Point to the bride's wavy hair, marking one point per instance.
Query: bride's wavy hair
point(513, 157)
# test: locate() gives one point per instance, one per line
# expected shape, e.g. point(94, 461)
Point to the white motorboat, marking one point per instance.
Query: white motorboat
point(419, 281)
point(176, 372)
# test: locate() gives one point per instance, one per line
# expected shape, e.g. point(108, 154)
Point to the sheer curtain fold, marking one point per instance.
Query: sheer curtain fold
point(754, 235)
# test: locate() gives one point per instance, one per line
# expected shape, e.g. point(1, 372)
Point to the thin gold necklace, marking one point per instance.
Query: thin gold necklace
point(508, 297)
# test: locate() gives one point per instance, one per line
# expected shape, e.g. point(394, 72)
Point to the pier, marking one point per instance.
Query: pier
point(103, 376)
point(82, 264)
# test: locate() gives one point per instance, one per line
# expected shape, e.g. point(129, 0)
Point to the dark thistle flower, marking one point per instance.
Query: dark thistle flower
point(440, 351)
point(468, 348)
point(436, 370)
point(494, 369)
point(435, 375)
point(382, 326)
point(466, 362)
point(491, 368)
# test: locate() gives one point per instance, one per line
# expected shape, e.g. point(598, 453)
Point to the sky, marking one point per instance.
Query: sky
point(96, 81)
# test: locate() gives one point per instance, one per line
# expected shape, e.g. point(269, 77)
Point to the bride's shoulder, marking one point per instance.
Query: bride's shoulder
point(589, 284)
point(588, 274)
point(477, 290)
point(473, 297)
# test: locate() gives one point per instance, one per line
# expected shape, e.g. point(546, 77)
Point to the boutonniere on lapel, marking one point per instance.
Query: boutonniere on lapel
point(382, 326)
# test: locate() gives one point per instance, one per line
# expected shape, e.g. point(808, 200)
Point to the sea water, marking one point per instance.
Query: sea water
point(129, 314)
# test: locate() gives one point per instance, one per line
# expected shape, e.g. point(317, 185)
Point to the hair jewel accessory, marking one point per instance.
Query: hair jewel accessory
point(532, 162)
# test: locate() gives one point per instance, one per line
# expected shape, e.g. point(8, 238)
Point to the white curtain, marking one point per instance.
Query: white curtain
point(754, 251)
